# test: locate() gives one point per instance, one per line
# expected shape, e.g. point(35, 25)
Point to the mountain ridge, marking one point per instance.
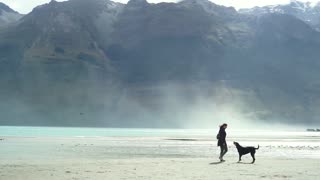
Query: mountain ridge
point(8, 15)
point(305, 11)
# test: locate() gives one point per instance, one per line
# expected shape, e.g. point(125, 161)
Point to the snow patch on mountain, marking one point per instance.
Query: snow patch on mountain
point(306, 11)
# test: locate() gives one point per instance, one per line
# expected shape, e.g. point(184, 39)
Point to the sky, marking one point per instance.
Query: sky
point(25, 6)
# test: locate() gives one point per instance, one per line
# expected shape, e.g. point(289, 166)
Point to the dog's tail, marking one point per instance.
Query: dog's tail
point(258, 147)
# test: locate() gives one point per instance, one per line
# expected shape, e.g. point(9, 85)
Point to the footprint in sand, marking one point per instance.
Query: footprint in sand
point(101, 172)
point(281, 176)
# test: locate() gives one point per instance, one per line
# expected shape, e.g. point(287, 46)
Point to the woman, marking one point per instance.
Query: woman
point(222, 141)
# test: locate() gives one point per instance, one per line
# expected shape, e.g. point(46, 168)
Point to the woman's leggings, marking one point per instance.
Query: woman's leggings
point(223, 150)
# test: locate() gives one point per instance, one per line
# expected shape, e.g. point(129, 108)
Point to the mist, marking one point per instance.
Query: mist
point(159, 105)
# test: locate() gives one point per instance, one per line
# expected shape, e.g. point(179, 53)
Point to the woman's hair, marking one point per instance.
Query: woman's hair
point(224, 124)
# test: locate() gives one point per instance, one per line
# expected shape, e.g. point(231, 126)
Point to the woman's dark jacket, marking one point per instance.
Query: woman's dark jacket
point(222, 136)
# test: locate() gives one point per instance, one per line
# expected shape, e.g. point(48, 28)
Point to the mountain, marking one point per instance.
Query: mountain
point(7, 15)
point(52, 62)
point(185, 64)
point(306, 11)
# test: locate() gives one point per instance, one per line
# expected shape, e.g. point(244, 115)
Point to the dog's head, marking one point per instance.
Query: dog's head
point(236, 143)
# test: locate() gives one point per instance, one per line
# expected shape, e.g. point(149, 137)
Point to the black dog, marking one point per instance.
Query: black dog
point(246, 150)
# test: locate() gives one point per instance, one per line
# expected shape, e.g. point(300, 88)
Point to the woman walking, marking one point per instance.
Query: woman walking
point(222, 141)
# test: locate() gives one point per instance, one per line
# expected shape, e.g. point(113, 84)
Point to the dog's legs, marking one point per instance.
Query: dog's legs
point(253, 158)
point(239, 158)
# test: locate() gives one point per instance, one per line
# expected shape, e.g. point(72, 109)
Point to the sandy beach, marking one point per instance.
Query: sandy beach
point(160, 168)
point(121, 158)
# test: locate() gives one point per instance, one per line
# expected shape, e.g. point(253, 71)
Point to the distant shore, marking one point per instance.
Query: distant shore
point(313, 130)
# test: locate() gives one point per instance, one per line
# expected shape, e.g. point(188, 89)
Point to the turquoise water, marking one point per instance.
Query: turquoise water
point(190, 142)
point(93, 132)
point(21, 131)
point(281, 137)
